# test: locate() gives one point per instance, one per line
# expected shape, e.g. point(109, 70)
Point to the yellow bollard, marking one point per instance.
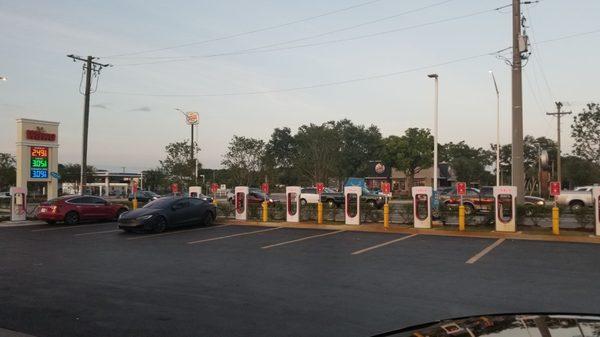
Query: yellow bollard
point(215, 202)
point(386, 216)
point(265, 214)
point(134, 203)
point(555, 222)
point(461, 218)
point(320, 213)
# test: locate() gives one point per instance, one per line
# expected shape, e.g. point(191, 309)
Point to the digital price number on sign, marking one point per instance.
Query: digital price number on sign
point(39, 162)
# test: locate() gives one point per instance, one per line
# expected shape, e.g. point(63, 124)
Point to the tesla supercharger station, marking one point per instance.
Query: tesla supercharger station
point(422, 206)
point(241, 202)
point(596, 195)
point(18, 203)
point(352, 196)
point(194, 191)
point(292, 198)
point(504, 197)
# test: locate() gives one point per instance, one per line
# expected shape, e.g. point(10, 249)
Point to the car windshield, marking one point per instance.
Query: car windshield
point(159, 203)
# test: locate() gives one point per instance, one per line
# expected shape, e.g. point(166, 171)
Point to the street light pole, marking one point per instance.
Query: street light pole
point(435, 133)
point(497, 129)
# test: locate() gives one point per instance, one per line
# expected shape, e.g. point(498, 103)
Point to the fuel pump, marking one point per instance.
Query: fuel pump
point(504, 198)
point(292, 198)
point(596, 195)
point(422, 206)
point(352, 196)
point(18, 203)
point(241, 202)
point(194, 191)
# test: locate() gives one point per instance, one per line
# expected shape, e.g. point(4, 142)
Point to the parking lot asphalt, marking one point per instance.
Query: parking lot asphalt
point(228, 280)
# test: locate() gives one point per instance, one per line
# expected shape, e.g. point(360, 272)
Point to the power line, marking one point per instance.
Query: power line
point(313, 86)
point(359, 37)
point(314, 36)
point(225, 37)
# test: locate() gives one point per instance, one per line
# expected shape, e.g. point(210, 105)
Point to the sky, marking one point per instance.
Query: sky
point(248, 67)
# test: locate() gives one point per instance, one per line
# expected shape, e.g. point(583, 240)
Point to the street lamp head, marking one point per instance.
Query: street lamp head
point(2, 78)
point(432, 75)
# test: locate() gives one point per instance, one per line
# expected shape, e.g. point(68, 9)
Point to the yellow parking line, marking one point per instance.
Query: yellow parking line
point(383, 244)
point(67, 227)
point(302, 239)
point(100, 232)
point(484, 251)
point(233, 235)
point(176, 232)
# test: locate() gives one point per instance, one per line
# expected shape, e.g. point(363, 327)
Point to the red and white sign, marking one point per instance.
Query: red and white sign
point(192, 118)
point(174, 188)
point(386, 188)
point(214, 187)
point(461, 188)
point(320, 188)
point(265, 188)
point(40, 134)
point(554, 188)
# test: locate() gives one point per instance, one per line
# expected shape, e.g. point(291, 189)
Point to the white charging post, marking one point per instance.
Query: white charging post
point(505, 206)
point(422, 206)
point(241, 202)
point(596, 195)
point(194, 191)
point(18, 203)
point(292, 200)
point(352, 196)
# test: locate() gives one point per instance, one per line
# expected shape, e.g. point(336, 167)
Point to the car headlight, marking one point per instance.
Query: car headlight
point(144, 217)
point(540, 202)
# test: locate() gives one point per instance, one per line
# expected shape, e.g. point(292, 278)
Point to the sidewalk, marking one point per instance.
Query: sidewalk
point(534, 234)
point(21, 223)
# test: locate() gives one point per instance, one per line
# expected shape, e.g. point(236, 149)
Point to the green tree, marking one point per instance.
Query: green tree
point(585, 131)
point(317, 155)
point(531, 151)
point(410, 153)
point(579, 171)
point(280, 152)
point(244, 159)
point(358, 145)
point(8, 171)
point(71, 173)
point(468, 162)
point(178, 166)
point(155, 180)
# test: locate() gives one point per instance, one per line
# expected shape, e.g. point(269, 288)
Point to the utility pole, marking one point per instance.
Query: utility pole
point(435, 132)
point(517, 168)
point(88, 66)
point(558, 114)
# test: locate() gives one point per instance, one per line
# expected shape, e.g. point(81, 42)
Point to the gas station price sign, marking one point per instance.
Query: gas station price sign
point(39, 162)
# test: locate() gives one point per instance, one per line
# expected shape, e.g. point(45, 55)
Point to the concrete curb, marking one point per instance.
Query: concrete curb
point(403, 229)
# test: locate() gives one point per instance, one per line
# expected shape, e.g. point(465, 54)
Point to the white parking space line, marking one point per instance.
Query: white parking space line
point(68, 227)
point(175, 232)
point(302, 239)
point(383, 244)
point(234, 235)
point(100, 232)
point(484, 251)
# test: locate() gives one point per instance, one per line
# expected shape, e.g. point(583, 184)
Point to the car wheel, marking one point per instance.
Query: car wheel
point(303, 202)
point(51, 222)
point(208, 220)
point(160, 225)
point(119, 212)
point(469, 209)
point(72, 218)
point(576, 206)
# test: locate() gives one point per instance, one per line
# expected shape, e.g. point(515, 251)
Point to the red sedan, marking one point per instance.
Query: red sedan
point(74, 208)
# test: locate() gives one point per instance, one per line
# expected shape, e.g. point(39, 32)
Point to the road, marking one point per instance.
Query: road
point(226, 280)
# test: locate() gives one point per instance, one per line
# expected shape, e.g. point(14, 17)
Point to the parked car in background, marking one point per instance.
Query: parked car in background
point(583, 188)
point(205, 198)
point(482, 200)
point(75, 208)
point(166, 212)
point(255, 196)
point(144, 196)
point(575, 200)
point(4, 195)
point(309, 195)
